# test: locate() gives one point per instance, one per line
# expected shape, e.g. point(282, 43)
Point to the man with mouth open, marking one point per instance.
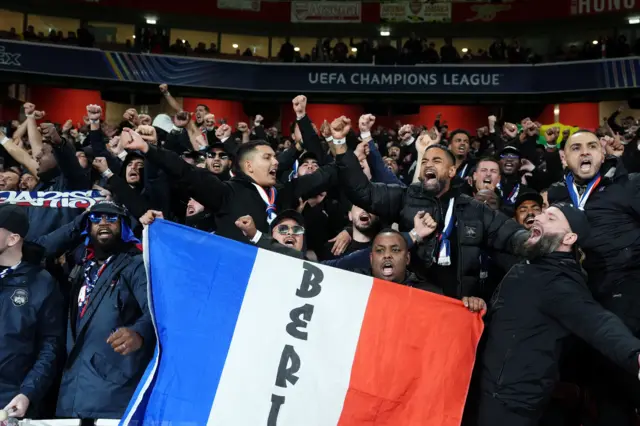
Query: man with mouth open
point(539, 303)
point(601, 187)
point(528, 206)
point(450, 258)
point(509, 186)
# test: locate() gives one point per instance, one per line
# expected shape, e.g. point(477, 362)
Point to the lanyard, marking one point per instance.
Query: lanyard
point(462, 172)
point(444, 253)
point(9, 270)
point(269, 200)
point(576, 199)
point(90, 283)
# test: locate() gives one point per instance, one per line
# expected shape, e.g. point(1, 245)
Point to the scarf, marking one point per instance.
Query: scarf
point(444, 253)
point(269, 200)
point(513, 195)
point(577, 200)
point(90, 282)
point(9, 270)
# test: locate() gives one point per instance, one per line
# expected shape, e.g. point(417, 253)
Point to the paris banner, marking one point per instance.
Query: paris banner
point(249, 337)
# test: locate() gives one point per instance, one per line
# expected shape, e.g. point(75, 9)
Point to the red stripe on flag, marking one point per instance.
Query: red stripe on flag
point(414, 359)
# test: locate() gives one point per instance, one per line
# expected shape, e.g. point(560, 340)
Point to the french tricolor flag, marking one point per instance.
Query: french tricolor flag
point(247, 337)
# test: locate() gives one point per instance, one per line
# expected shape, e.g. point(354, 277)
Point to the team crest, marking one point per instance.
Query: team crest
point(470, 231)
point(20, 297)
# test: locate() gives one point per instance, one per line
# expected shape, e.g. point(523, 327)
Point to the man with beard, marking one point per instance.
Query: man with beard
point(538, 304)
point(110, 334)
point(451, 257)
point(459, 147)
point(218, 161)
point(199, 218)
point(602, 188)
point(527, 207)
point(201, 112)
point(364, 227)
point(32, 324)
point(509, 186)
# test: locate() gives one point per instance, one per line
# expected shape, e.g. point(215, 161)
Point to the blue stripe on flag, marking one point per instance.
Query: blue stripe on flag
point(198, 282)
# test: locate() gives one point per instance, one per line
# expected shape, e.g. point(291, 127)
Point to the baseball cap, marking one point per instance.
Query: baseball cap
point(509, 149)
point(287, 214)
point(14, 219)
point(528, 196)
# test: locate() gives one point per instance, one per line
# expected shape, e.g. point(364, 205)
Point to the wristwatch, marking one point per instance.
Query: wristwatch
point(415, 236)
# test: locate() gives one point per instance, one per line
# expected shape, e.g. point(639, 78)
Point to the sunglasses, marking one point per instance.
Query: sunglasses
point(220, 155)
point(510, 156)
point(286, 229)
point(97, 217)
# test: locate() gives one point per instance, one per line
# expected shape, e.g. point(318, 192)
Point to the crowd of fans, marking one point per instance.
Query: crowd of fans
point(492, 216)
point(383, 51)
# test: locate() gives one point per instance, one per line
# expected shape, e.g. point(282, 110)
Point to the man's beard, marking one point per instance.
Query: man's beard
point(547, 244)
point(108, 246)
point(436, 188)
point(371, 229)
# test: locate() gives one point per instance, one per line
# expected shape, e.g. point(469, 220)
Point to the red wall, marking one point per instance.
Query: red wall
point(465, 117)
point(61, 105)
point(229, 110)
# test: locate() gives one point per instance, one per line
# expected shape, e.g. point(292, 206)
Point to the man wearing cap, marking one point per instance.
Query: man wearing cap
point(539, 303)
point(218, 161)
point(31, 321)
point(528, 206)
point(110, 336)
point(510, 185)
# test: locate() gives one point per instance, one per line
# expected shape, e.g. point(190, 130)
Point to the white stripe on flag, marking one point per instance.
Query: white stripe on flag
point(248, 380)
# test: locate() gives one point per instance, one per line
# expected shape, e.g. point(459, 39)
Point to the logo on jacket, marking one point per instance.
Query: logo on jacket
point(20, 297)
point(470, 231)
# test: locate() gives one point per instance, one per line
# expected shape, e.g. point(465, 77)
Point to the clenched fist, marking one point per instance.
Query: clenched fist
point(182, 119)
point(340, 127)
point(223, 132)
point(132, 141)
point(300, 105)
point(49, 133)
point(145, 120)
point(94, 112)
point(247, 226)
point(365, 123)
point(100, 164)
point(148, 133)
point(163, 88)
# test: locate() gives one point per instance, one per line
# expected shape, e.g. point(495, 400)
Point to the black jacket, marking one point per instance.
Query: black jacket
point(476, 226)
point(32, 339)
point(613, 211)
point(536, 306)
point(238, 196)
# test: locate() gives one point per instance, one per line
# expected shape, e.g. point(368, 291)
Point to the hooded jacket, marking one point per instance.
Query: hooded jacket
point(32, 334)
point(537, 305)
point(613, 211)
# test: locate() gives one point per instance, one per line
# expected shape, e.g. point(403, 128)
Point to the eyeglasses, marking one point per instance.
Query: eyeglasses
point(286, 229)
point(97, 217)
point(220, 155)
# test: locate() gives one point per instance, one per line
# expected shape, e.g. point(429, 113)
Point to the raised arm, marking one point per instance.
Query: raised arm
point(164, 89)
point(200, 184)
point(35, 138)
point(19, 154)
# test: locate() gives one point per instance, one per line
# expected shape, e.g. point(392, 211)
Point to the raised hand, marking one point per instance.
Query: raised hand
point(247, 226)
point(300, 105)
point(100, 164)
point(49, 133)
point(340, 127)
point(182, 119)
point(148, 133)
point(94, 112)
point(145, 120)
point(131, 141)
point(366, 122)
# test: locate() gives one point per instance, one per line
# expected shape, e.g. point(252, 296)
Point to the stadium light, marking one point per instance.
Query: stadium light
point(385, 33)
point(595, 42)
point(151, 21)
point(354, 49)
point(297, 49)
point(234, 45)
point(134, 36)
point(465, 50)
point(634, 21)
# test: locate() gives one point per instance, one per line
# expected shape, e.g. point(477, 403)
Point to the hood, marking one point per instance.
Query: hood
point(132, 155)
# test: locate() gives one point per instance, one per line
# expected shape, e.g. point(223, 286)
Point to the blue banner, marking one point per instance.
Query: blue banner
point(308, 78)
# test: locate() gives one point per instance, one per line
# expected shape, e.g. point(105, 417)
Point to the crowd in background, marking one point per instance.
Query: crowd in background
point(458, 212)
point(381, 51)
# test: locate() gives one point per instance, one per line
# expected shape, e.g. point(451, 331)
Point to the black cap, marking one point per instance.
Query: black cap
point(194, 155)
point(577, 221)
point(108, 207)
point(528, 196)
point(509, 149)
point(287, 214)
point(217, 145)
point(14, 219)
point(307, 156)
